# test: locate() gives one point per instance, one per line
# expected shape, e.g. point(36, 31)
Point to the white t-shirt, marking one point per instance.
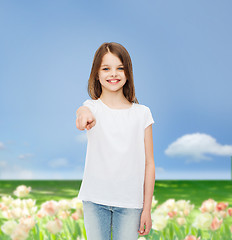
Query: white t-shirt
point(115, 157)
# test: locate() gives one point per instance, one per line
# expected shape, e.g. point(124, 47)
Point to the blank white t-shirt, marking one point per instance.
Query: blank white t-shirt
point(115, 157)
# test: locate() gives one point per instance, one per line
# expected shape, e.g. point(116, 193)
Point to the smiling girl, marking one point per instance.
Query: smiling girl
point(119, 176)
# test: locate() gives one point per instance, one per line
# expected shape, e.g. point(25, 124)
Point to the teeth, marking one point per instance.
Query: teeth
point(113, 81)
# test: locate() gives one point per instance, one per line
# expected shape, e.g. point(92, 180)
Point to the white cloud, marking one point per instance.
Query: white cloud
point(59, 162)
point(196, 145)
point(25, 156)
point(26, 144)
point(82, 137)
point(161, 173)
point(159, 169)
point(25, 174)
point(18, 172)
point(193, 175)
point(2, 146)
point(3, 164)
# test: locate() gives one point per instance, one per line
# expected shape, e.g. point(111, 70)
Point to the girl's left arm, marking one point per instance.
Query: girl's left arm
point(149, 183)
point(149, 179)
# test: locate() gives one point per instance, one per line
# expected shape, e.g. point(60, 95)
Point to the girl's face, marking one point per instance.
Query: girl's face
point(111, 73)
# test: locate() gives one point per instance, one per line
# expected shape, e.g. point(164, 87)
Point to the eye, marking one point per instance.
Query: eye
point(121, 68)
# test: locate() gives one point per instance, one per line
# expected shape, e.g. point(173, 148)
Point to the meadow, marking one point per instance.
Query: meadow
point(168, 194)
point(194, 190)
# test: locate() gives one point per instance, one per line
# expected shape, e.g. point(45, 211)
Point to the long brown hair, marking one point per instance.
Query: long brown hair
point(94, 86)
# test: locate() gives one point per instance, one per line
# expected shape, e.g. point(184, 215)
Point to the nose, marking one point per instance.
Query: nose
point(113, 72)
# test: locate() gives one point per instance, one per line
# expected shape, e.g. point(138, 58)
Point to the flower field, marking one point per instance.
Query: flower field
point(30, 212)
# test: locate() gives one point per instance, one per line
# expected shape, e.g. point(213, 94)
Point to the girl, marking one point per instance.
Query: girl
point(119, 175)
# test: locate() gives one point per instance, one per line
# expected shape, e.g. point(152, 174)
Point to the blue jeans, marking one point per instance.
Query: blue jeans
point(100, 219)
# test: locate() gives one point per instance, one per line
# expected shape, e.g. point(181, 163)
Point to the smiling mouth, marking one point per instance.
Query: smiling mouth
point(113, 81)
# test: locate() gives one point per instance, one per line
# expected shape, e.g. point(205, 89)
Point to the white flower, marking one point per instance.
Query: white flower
point(7, 200)
point(41, 213)
point(159, 222)
point(170, 204)
point(183, 204)
point(20, 233)
point(78, 238)
point(29, 203)
point(76, 203)
point(203, 221)
point(51, 207)
point(30, 206)
point(54, 226)
point(181, 220)
point(22, 191)
point(16, 212)
point(7, 214)
point(154, 202)
point(64, 204)
point(8, 227)
point(17, 203)
point(28, 222)
point(208, 205)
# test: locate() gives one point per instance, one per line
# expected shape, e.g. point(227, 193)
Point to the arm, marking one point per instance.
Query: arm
point(84, 118)
point(149, 183)
point(81, 109)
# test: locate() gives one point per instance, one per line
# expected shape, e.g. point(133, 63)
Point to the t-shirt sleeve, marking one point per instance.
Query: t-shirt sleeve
point(91, 104)
point(148, 117)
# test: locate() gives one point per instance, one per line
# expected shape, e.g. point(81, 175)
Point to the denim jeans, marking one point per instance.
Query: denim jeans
point(100, 220)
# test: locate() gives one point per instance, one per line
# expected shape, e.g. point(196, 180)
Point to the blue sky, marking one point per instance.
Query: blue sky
point(181, 54)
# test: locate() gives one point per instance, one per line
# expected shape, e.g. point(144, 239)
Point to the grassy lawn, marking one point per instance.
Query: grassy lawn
point(194, 190)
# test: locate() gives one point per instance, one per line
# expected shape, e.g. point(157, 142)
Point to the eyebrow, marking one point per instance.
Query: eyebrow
point(108, 65)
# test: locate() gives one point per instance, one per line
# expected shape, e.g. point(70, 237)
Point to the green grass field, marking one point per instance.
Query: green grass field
point(194, 190)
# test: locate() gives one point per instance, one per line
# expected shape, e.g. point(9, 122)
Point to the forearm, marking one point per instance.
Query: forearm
point(81, 109)
point(149, 184)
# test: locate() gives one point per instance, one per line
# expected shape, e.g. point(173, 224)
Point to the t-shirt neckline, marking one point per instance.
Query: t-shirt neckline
point(115, 109)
